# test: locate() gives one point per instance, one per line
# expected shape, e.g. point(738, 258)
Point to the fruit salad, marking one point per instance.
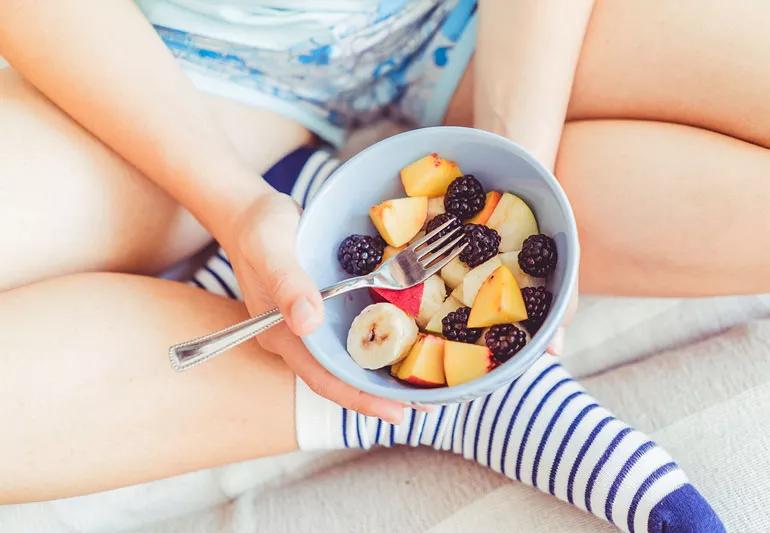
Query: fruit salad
point(481, 309)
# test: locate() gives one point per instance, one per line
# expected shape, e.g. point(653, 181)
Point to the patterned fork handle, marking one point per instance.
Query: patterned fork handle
point(190, 353)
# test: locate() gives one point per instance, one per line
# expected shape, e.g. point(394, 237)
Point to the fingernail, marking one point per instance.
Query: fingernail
point(557, 343)
point(304, 317)
point(423, 408)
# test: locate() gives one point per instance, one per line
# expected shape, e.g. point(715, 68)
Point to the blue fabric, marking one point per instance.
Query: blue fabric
point(284, 173)
point(394, 58)
point(684, 511)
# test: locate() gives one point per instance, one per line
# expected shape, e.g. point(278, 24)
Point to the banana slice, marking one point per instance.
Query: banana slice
point(381, 334)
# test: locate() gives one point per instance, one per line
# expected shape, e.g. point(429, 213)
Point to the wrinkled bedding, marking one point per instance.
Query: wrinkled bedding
point(693, 373)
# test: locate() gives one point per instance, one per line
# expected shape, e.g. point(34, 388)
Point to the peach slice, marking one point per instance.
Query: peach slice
point(498, 301)
point(400, 219)
point(513, 220)
point(424, 366)
point(473, 281)
point(429, 176)
point(493, 197)
point(465, 362)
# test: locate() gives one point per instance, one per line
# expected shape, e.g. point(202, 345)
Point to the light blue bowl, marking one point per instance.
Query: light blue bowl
point(341, 208)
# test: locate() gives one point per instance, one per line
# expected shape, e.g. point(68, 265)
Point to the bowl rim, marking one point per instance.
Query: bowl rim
point(513, 368)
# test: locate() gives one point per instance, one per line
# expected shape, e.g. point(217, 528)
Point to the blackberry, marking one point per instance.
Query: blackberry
point(538, 255)
point(454, 326)
point(464, 197)
point(504, 340)
point(360, 254)
point(538, 302)
point(440, 219)
point(483, 244)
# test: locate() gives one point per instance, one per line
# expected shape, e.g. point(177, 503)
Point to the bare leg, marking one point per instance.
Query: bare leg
point(68, 204)
point(662, 208)
point(90, 401)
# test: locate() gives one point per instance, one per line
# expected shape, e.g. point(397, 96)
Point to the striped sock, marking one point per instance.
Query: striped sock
point(543, 430)
point(300, 175)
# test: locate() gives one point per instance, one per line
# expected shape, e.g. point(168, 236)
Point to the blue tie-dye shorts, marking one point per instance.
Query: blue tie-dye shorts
point(332, 70)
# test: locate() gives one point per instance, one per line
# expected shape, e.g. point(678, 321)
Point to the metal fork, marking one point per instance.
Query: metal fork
point(409, 267)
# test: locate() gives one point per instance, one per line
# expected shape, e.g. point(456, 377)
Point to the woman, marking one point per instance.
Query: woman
point(653, 117)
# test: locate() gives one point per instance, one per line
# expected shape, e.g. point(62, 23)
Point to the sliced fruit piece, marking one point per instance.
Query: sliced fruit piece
point(429, 176)
point(433, 295)
point(457, 293)
point(498, 301)
point(421, 301)
point(511, 260)
point(390, 251)
point(493, 198)
point(449, 305)
point(394, 369)
point(408, 300)
point(473, 280)
point(482, 341)
point(435, 207)
point(381, 335)
point(454, 272)
point(424, 365)
point(400, 219)
point(417, 236)
point(465, 362)
point(513, 220)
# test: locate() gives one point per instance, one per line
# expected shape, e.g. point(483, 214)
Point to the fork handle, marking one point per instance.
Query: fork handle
point(188, 354)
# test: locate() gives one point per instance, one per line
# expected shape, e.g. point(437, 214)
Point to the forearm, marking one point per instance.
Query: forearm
point(525, 62)
point(103, 64)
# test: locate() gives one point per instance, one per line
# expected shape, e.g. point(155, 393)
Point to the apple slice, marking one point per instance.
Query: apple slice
point(421, 301)
point(394, 369)
point(435, 207)
point(473, 280)
point(449, 305)
point(424, 366)
point(454, 272)
point(493, 198)
point(429, 176)
point(465, 362)
point(511, 260)
point(513, 220)
point(408, 300)
point(498, 301)
point(457, 293)
point(400, 219)
point(433, 296)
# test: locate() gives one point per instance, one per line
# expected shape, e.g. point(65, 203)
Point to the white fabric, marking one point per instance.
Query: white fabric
point(710, 398)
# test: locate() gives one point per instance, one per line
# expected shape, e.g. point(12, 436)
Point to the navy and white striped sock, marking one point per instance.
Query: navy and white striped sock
point(543, 430)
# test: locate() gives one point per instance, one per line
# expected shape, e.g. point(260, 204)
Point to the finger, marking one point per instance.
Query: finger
point(270, 250)
point(571, 307)
point(556, 346)
point(323, 383)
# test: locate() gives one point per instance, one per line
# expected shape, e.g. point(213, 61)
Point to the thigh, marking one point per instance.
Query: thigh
point(666, 209)
point(93, 403)
point(69, 204)
point(696, 62)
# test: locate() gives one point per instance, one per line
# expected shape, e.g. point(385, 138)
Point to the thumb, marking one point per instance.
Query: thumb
point(270, 248)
